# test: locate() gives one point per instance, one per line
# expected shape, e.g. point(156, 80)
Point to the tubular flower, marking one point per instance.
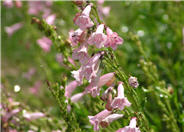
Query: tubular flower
point(75, 98)
point(131, 128)
point(83, 20)
point(33, 116)
point(75, 36)
point(120, 101)
point(78, 75)
point(92, 88)
point(105, 79)
point(112, 39)
point(70, 88)
point(45, 43)
point(95, 120)
point(90, 69)
point(11, 29)
point(105, 122)
point(50, 19)
point(98, 38)
point(81, 54)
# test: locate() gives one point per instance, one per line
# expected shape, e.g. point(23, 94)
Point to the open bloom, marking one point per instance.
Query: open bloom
point(83, 20)
point(76, 36)
point(70, 88)
point(93, 88)
point(50, 19)
point(91, 68)
point(88, 70)
point(120, 101)
point(112, 39)
point(8, 3)
point(98, 38)
point(33, 116)
point(97, 82)
point(81, 54)
point(103, 10)
point(45, 43)
point(105, 122)
point(11, 29)
point(131, 128)
point(95, 120)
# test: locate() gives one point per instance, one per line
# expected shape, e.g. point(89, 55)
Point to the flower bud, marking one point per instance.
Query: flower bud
point(133, 82)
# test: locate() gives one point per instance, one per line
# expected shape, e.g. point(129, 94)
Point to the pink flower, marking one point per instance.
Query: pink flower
point(50, 19)
point(95, 120)
point(33, 116)
point(45, 43)
point(75, 36)
point(8, 3)
point(10, 114)
point(35, 88)
point(90, 69)
point(78, 75)
point(98, 38)
point(120, 101)
point(81, 54)
point(103, 10)
point(131, 128)
point(71, 61)
point(133, 82)
point(109, 119)
point(93, 88)
point(70, 88)
point(11, 29)
point(35, 7)
point(97, 82)
point(75, 98)
point(30, 73)
point(112, 39)
point(18, 3)
point(83, 20)
point(105, 79)
point(59, 58)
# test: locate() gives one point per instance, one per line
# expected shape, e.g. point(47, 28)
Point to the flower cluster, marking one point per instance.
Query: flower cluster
point(80, 40)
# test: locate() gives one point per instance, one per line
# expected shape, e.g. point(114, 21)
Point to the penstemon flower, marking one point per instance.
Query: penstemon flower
point(109, 119)
point(75, 98)
point(133, 82)
point(12, 29)
point(120, 101)
point(70, 88)
point(50, 19)
point(93, 88)
point(131, 128)
point(98, 38)
point(112, 39)
point(33, 116)
point(83, 20)
point(81, 54)
point(75, 36)
point(95, 120)
point(91, 68)
point(105, 79)
point(45, 43)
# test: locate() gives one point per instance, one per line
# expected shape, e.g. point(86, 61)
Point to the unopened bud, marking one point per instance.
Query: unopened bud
point(133, 82)
point(170, 90)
